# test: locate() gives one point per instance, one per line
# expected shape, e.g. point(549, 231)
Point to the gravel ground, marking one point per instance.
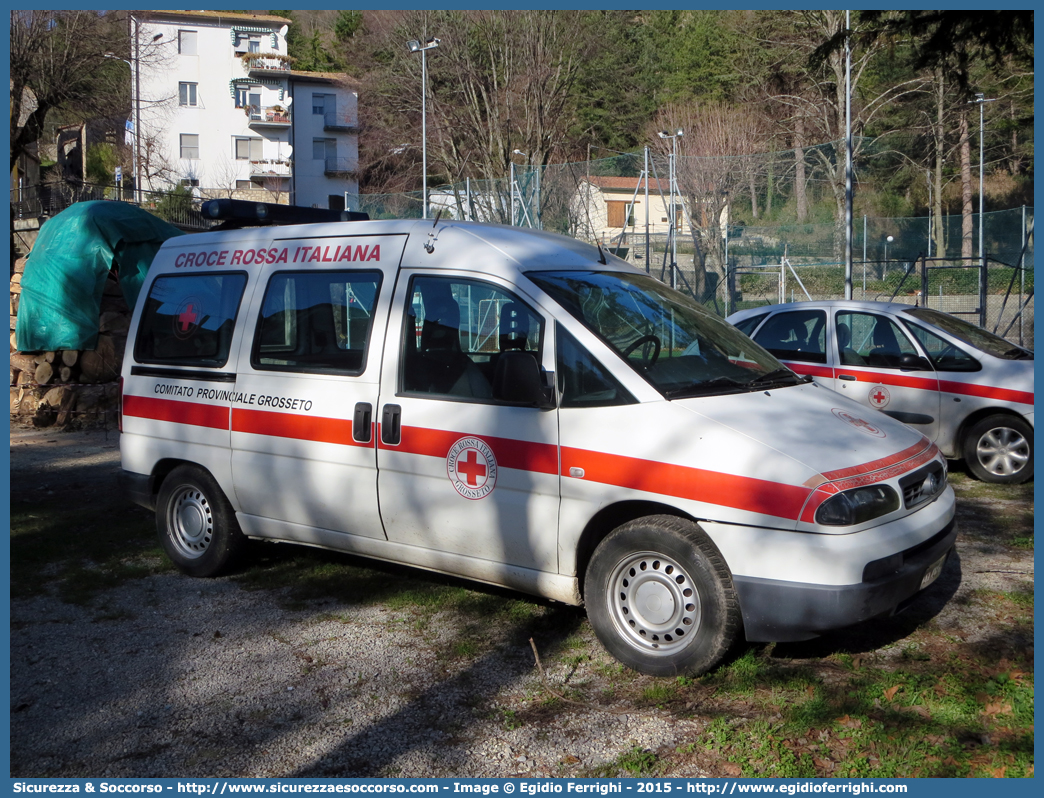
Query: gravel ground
point(171, 676)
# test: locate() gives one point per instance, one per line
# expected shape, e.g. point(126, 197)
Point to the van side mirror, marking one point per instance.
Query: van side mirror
point(517, 380)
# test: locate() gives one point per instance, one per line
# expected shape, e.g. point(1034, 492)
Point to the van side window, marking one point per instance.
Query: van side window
point(189, 319)
point(316, 322)
point(582, 380)
point(943, 355)
point(455, 332)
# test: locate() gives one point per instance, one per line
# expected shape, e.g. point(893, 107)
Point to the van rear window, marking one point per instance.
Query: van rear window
point(189, 319)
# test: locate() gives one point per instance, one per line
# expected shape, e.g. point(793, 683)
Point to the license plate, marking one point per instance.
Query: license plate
point(933, 572)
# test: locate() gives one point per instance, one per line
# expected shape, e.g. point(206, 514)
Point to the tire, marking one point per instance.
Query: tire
point(691, 615)
point(196, 524)
point(999, 449)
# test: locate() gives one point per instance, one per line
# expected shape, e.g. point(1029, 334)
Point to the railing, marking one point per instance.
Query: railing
point(340, 166)
point(178, 208)
point(270, 166)
point(267, 64)
point(273, 115)
point(339, 120)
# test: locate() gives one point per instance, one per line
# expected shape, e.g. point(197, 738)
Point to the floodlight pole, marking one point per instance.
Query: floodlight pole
point(415, 47)
point(848, 155)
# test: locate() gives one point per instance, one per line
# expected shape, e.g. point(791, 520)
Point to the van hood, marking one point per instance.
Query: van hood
point(822, 432)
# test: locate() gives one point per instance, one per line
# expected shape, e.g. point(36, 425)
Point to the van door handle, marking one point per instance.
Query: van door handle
point(391, 425)
point(362, 422)
point(847, 377)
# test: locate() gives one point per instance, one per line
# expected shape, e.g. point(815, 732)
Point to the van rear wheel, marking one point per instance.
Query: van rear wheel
point(196, 524)
point(660, 597)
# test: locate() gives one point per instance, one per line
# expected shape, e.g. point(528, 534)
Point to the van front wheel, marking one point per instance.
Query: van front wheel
point(196, 524)
point(660, 597)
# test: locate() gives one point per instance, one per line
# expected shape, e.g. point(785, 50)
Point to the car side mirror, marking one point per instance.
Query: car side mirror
point(910, 362)
point(517, 380)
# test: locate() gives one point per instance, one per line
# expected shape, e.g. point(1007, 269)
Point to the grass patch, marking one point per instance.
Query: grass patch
point(959, 716)
point(636, 761)
point(79, 551)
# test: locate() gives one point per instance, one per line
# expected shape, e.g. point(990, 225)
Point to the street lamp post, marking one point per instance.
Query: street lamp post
point(673, 214)
point(888, 241)
point(134, 118)
point(980, 100)
point(416, 47)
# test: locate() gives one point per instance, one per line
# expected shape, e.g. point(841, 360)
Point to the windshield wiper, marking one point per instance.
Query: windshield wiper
point(776, 376)
point(710, 386)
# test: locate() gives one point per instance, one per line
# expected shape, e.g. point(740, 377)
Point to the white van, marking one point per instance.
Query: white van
point(520, 409)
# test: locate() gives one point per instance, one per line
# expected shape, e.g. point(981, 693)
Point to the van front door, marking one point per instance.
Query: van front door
point(460, 472)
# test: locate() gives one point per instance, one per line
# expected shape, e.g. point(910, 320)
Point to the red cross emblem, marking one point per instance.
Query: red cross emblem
point(187, 316)
point(472, 468)
point(879, 396)
point(858, 423)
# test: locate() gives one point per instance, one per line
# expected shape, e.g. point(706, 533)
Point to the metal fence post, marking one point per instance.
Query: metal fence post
point(983, 277)
point(924, 280)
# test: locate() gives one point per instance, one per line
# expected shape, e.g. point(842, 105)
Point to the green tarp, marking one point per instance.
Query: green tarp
point(66, 271)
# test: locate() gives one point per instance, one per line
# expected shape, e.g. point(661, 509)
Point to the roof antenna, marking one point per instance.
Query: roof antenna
point(429, 245)
point(601, 254)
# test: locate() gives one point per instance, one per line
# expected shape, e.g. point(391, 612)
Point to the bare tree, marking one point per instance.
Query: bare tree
point(58, 63)
point(716, 158)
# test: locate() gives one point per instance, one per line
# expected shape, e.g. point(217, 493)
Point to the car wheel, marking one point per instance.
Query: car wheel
point(196, 524)
point(660, 597)
point(1000, 449)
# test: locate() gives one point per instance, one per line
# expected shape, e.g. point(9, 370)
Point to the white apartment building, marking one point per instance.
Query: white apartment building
point(221, 109)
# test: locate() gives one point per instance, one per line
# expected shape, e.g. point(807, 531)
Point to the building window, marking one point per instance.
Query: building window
point(319, 104)
point(187, 42)
point(243, 184)
point(323, 149)
point(187, 94)
point(255, 45)
point(619, 214)
point(190, 146)
point(190, 182)
point(247, 149)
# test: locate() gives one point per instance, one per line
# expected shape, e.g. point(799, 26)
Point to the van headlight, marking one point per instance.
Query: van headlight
point(857, 506)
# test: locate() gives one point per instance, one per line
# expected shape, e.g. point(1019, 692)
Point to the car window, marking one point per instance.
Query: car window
point(316, 321)
point(747, 326)
point(582, 380)
point(974, 336)
point(943, 355)
point(189, 319)
point(795, 335)
point(869, 339)
point(456, 330)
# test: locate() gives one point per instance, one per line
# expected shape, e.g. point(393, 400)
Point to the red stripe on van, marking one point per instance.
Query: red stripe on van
point(946, 386)
point(728, 490)
point(510, 453)
point(884, 462)
point(193, 413)
point(807, 368)
point(291, 425)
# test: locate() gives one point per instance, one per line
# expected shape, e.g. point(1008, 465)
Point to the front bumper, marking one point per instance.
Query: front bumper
point(778, 611)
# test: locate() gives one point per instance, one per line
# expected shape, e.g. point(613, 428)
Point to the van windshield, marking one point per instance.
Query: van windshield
point(666, 337)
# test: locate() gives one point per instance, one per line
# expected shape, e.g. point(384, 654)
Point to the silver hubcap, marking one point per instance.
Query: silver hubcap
point(190, 521)
point(654, 603)
point(1003, 451)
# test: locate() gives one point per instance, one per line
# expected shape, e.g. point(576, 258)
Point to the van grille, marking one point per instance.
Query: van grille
point(923, 485)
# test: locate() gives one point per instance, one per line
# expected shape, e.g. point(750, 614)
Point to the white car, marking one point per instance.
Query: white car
point(524, 410)
point(968, 390)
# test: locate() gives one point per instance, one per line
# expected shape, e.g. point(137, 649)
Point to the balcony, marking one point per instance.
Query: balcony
point(340, 167)
point(269, 167)
point(340, 121)
point(274, 116)
point(265, 64)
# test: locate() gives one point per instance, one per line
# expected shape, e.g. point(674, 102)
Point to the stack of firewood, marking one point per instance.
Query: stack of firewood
point(70, 387)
